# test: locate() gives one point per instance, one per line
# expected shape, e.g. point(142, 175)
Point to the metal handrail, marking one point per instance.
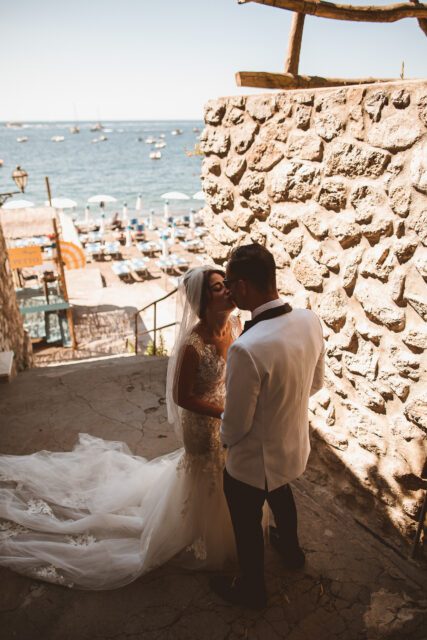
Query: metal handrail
point(155, 328)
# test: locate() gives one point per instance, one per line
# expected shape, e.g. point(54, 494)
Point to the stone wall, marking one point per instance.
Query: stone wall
point(334, 182)
point(12, 334)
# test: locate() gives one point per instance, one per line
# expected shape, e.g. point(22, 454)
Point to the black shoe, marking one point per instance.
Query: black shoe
point(291, 558)
point(232, 590)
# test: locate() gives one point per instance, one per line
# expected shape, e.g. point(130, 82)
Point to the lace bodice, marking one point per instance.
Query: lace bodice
point(201, 433)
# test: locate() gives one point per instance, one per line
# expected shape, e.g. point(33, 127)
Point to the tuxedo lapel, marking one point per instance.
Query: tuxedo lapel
point(267, 315)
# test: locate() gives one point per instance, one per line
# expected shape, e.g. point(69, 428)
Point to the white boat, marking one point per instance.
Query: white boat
point(149, 140)
point(57, 138)
point(102, 138)
point(176, 132)
point(160, 145)
point(13, 125)
point(22, 139)
point(155, 155)
point(75, 129)
point(97, 127)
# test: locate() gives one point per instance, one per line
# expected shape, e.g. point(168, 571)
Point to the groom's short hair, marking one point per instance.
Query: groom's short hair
point(255, 263)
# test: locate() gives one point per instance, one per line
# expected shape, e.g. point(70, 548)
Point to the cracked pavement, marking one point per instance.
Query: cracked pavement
point(352, 587)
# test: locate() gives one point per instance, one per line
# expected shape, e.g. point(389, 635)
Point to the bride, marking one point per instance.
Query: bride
point(97, 517)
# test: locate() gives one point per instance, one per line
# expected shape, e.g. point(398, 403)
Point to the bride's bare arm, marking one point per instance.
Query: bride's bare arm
point(185, 387)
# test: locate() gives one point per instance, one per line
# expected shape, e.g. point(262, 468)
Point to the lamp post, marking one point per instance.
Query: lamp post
point(20, 178)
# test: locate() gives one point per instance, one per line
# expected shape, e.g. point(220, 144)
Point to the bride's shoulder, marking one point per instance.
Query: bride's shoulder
point(195, 340)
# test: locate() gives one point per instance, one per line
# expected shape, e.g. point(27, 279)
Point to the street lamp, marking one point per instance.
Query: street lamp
point(20, 178)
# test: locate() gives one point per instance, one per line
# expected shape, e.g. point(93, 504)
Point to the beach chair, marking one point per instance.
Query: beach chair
point(180, 263)
point(139, 265)
point(113, 249)
point(94, 250)
point(166, 265)
point(123, 271)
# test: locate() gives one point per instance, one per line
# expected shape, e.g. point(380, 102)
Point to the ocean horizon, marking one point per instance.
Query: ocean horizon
point(83, 165)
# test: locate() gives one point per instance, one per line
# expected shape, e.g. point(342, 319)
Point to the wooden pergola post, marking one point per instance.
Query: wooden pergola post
point(294, 44)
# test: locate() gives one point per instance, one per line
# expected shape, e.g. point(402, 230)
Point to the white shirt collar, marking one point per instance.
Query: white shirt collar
point(268, 305)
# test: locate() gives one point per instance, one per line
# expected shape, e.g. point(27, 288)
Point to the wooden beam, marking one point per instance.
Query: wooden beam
point(266, 80)
point(421, 21)
point(386, 13)
point(294, 46)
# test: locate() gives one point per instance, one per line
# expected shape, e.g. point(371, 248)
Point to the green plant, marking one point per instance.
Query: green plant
point(160, 347)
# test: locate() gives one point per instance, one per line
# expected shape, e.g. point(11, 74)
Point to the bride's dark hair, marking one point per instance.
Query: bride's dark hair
point(205, 294)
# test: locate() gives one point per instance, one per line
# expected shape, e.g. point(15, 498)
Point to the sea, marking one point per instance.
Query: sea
point(82, 165)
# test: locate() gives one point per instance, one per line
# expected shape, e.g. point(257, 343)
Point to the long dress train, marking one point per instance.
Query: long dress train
point(97, 517)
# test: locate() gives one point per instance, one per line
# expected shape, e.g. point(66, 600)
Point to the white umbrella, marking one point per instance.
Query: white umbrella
point(174, 195)
point(18, 204)
point(165, 249)
point(128, 237)
point(138, 205)
point(125, 212)
point(199, 196)
point(101, 199)
point(192, 222)
point(151, 220)
point(166, 211)
point(102, 225)
point(62, 203)
point(87, 209)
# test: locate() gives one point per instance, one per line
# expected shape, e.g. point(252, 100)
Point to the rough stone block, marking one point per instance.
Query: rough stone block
point(400, 99)
point(292, 180)
point(308, 273)
point(416, 338)
point(305, 146)
point(374, 104)
point(346, 231)
point(333, 309)
point(215, 141)
point(400, 199)
point(419, 168)
point(395, 133)
point(417, 221)
point(328, 125)
point(333, 195)
point(214, 111)
point(263, 156)
point(372, 296)
point(416, 292)
point(243, 136)
point(261, 108)
point(282, 218)
point(416, 411)
point(235, 168)
point(353, 160)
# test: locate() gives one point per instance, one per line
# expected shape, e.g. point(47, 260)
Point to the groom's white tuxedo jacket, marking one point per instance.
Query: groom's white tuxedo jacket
point(272, 370)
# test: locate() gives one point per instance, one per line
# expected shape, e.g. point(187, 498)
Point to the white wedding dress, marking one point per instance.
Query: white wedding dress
point(98, 517)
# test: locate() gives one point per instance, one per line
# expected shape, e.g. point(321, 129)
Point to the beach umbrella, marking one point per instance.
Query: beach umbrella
point(18, 204)
point(199, 196)
point(62, 203)
point(174, 195)
point(87, 210)
point(166, 210)
point(192, 224)
point(151, 220)
point(101, 199)
point(165, 248)
point(128, 236)
point(138, 205)
point(102, 225)
point(125, 212)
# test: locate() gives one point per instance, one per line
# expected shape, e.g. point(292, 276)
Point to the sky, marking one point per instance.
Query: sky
point(148, 59)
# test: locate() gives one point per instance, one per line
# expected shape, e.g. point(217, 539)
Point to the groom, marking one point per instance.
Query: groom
point(272, 369)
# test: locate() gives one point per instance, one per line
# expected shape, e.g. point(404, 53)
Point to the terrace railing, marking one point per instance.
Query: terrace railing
point(155, 328)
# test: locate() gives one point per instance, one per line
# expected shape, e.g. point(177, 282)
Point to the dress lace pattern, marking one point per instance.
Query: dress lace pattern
point(97, 517)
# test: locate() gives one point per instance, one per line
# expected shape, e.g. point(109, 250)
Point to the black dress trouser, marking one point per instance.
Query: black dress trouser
point(245, 504)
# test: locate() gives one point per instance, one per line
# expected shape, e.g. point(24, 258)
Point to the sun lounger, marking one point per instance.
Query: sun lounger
point(166, 265)
point(94, 250)
point(149, 248)
point(180, 262)
point(139, 265)
point(113, 249)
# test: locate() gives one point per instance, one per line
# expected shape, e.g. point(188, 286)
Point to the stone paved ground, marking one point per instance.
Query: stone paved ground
point(353, 586)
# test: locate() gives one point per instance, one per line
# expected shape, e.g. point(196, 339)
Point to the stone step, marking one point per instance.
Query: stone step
point(6, 366)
